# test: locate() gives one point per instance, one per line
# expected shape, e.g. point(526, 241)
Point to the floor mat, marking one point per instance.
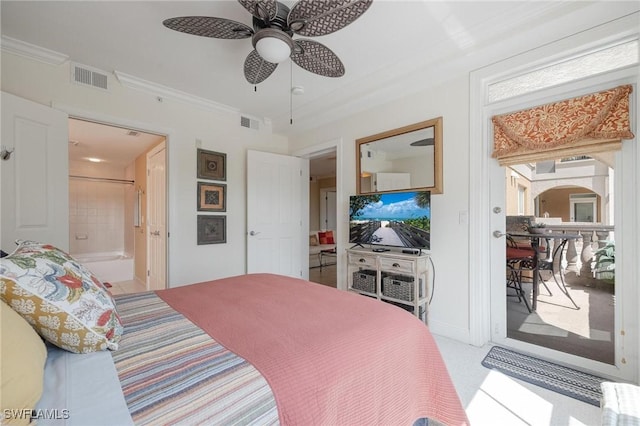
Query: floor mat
point(567, 381)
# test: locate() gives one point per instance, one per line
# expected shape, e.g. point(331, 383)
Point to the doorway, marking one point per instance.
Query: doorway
point(575, 307)
point(583, 207)
point(323, 219)
point(108, 202)
point(488, 290)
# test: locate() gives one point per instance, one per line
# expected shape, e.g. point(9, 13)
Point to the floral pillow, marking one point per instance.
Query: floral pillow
point(60, 298)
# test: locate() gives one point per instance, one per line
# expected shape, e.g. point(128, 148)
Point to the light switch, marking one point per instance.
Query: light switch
point(463, 217)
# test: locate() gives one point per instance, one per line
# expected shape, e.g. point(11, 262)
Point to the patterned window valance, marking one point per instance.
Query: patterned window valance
point(584, 125)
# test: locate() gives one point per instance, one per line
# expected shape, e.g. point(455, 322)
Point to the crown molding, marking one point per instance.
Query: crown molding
point(31, 51)
point(163, 92)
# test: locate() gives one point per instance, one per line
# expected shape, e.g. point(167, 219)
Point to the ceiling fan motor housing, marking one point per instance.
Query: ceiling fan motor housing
point(279, 21)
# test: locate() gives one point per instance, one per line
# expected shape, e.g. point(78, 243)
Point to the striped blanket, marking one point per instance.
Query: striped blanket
point(172, 372)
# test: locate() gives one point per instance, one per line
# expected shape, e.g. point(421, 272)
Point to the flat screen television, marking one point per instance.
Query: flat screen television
point(396, 219)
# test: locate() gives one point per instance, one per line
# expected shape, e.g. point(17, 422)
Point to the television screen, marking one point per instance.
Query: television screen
point(397, 219)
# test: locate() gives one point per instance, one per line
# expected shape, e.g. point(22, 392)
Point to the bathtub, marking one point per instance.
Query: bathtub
point(109, 267)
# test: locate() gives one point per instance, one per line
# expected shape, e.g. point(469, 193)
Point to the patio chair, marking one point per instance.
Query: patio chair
point(514, 274)
point(545, 263)
point(519, 259)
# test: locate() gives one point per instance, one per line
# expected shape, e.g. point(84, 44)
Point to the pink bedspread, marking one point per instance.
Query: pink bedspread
point(330, 357)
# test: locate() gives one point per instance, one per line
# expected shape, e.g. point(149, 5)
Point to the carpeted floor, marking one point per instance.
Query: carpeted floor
point(492, 398)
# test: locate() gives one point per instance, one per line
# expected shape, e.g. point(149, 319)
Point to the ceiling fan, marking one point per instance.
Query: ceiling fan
point(274, 25)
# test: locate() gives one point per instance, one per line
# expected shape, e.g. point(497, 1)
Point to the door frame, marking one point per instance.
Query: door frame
point(109, 120)
point(484, 220)
point(337, 146)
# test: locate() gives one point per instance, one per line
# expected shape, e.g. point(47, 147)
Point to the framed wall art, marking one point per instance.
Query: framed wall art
point(212, 197)
point(212, 229)
point(212, 165)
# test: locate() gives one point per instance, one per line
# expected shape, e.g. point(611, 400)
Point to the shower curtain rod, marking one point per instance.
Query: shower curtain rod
point(126, 182)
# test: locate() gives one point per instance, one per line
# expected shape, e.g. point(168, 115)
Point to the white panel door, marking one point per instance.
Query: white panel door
point(156, 218)
point(35, 179)
point(274, 213)
point(328, 210)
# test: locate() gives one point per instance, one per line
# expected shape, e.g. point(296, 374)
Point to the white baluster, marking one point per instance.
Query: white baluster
point(572, 256)
point(587, 254)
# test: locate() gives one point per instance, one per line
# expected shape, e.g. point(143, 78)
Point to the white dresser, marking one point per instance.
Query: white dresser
point(391, 276)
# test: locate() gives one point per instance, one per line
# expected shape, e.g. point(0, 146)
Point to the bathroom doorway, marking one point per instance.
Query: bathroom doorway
point(107, 201)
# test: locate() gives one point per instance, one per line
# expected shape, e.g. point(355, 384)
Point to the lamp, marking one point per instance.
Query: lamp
point(273, 45)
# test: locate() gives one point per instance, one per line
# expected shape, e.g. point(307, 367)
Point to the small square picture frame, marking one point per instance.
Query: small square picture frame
point(212, 197)
point(212, 229)
point(212, 165)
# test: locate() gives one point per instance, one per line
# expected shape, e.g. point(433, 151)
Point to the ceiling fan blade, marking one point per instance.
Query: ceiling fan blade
point(256, 69)
point(208, 26)
point(317, 58)
point(320, 17)
point(261, 9)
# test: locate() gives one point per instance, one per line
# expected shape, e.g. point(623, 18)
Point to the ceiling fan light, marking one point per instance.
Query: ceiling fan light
point(273, 45)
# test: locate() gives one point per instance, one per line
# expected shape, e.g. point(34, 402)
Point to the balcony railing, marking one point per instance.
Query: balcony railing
point(593, 237)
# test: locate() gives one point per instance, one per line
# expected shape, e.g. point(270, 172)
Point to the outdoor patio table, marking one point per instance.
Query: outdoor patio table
point(535, 243)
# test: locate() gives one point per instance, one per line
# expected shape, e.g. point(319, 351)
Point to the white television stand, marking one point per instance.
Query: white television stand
point(391, 276)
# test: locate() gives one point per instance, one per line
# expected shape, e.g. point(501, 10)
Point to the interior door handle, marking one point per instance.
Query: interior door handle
point(498, 234)
point(252, 233)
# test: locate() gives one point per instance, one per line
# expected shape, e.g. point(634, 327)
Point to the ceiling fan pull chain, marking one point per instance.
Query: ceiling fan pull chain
point(291, 93)
point(255, 87)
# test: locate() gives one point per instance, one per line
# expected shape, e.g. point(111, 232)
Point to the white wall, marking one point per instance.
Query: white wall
point(185, 124)
point(416, 166)
point(449, 313)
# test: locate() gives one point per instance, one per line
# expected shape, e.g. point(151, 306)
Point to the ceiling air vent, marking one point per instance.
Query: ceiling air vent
point(87, 76)
point(249, 123)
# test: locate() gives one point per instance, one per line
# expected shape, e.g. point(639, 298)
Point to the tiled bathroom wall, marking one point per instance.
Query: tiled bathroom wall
point(97, 211)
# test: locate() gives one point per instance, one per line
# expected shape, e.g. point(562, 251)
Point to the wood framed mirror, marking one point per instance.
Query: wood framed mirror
point(409, 157)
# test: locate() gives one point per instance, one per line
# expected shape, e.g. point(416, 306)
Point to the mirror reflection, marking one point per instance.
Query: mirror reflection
point(406, 158)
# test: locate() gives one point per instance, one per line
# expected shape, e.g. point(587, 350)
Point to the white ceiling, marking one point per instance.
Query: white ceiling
point(394, 49)
point(115, 146)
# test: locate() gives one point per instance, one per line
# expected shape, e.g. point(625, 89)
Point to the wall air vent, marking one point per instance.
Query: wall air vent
point(87, 76)
point(249, 123)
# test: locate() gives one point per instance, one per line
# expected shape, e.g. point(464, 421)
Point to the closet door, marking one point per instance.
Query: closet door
point(35, 178)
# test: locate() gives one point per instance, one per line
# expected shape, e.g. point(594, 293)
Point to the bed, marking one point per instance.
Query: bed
point(252, 349)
